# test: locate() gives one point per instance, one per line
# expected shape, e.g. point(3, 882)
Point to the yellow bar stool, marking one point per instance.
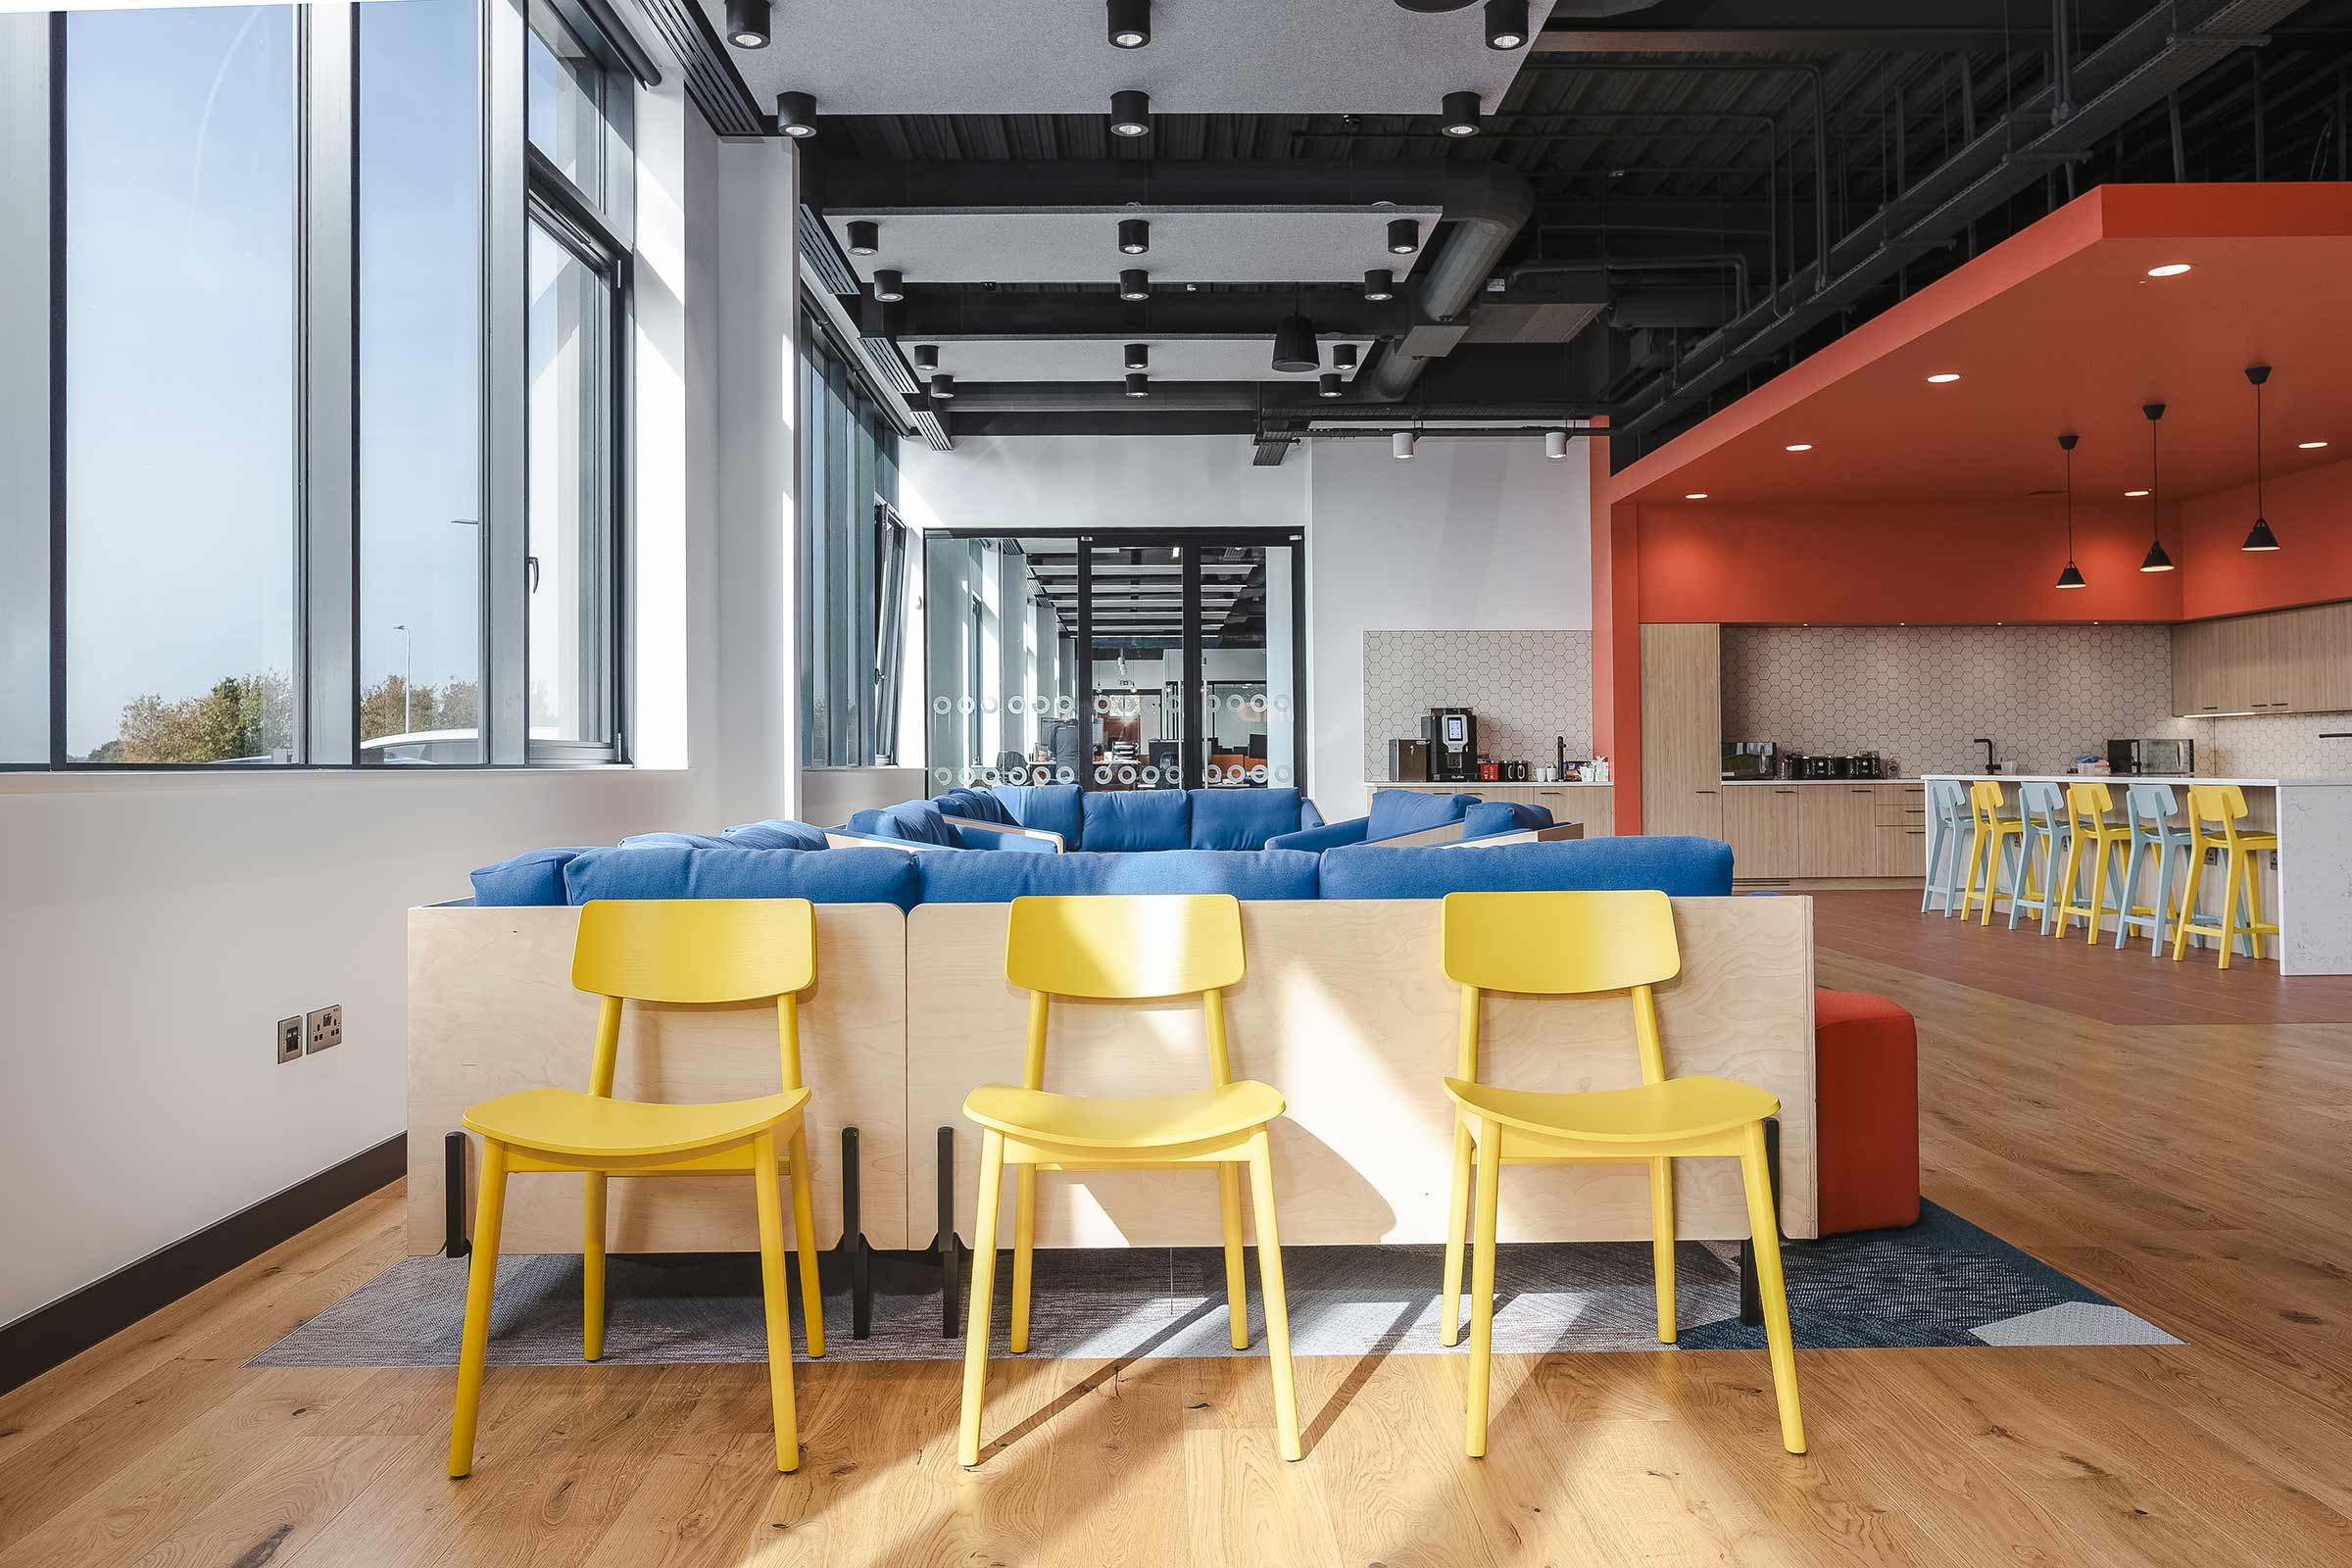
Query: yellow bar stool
point(695, 950)
point(1125, 949)
point(2095, 828)
point(2000, 834)
point(2224, 806)
point(1576, 944)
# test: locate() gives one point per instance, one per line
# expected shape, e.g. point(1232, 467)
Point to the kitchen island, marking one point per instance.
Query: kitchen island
point(2306, 887)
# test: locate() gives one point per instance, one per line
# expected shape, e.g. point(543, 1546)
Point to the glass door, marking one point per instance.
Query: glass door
point(1248, 734)
point(1136, 639)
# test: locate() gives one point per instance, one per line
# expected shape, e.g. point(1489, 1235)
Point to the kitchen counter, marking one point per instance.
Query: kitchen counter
point(1471, 786)
point(2180, 780)
point(1746, 783)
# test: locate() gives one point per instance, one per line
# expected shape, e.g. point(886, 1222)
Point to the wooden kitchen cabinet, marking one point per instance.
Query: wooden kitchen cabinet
point(2278, 661)
point(1764, 825)
point(1682, 730)
point(1837, 823)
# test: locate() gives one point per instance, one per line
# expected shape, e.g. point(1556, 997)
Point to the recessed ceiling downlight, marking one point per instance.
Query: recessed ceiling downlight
point(1943, 377)
point(2169, 269)
point(1694, 495)
point(2309, 446)
point(1799, 446)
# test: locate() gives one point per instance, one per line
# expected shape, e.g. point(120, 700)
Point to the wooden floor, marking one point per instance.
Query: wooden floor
point(2139, 1126)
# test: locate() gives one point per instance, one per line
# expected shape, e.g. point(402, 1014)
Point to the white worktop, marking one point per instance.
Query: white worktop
point(1856, 783)
point(1470, 786)
point(2181, 779)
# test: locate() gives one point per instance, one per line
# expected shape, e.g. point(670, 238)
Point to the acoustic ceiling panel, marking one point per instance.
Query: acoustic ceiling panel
point(1224, 245)
point(972, 361)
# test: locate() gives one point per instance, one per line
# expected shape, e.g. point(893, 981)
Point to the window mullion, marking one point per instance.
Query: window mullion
point(25, 411)
point(327, 373)
point(506, 424)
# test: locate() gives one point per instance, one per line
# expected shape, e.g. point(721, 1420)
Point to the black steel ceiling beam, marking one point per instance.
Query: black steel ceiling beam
point(945, 316)
point(1045, 185)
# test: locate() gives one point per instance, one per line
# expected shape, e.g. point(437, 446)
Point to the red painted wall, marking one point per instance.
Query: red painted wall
point(2309, 512)
point(1879, 565)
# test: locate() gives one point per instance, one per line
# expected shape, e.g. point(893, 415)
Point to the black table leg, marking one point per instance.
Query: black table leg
point(949, 1250)
point(1751, 1294)
point(853, 1242)
point(455, 1242)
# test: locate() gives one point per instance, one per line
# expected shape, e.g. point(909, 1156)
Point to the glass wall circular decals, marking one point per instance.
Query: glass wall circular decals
point(988, 704)
point(1212, 774)
point(988, 775)
point(1065, 706)
point(942, 705)
point(1127, 775)
point(1257, 704)
point(1257, 772)
point(1282, 702)
point(1101, 703)
point(1066, 775)
point(1102, 775)
point(943, 776)
point(966, 706)
point(1151, 774)
point(1282, 774)
point(1012, 705)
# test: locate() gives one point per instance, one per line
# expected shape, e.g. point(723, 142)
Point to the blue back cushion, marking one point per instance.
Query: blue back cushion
point(1395, 811)
point(691, 841)
point(1000, 878)
point(776, 833)
point(1242, 820)
point(918, 820)
point(822, 876)
point(1682, 866)
point(979, 805)
point(1048, 808)
point(535, 876)
point(1489, 818)
point(1137, 819)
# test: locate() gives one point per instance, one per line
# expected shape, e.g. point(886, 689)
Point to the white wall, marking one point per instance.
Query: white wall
point(1097, 481)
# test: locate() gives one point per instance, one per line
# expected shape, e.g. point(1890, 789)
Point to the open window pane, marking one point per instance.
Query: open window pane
point(568, 577)
point(180, 354)
point(419, 378)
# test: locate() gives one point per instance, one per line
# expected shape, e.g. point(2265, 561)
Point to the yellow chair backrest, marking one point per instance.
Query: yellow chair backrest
point(2220, 803)
point(1125, 948)
point(695, 950)
point(1561, 944)
point(1985, 800)
point(2089, 804)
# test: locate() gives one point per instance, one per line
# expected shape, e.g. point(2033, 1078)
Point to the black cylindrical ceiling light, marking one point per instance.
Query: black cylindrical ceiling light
point(1458, 113)
point(746, 23)
point(943, 386)
point(1134, 235)
point(1138, 386)
point(1404, 235)
point(1130, 24)
point(1506, 24)
point(2258, 537)
point(1294, 349)
point(2071, 576)
point(2155, 560)
point(926, 357)
point(1133, 283)
point(1329, 386)
point(796, 114)
point(1136, 358)
point(1130, 113)
point(890, 286)
point(865, 236)
point(1380, 284)
point(1343, 357)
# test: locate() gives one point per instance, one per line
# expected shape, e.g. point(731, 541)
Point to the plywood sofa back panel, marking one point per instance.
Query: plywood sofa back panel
point(492, 1009)
point(1345, 1009)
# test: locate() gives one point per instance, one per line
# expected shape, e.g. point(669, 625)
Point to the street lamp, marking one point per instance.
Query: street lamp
point(408, 676)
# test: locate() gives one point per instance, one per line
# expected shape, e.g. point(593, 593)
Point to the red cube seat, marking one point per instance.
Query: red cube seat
point(1866, 1112)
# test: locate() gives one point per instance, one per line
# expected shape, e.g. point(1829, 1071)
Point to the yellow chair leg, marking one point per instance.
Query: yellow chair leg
point(1236, 1288)
point(1457, 1216)
point(2254, 904)
point(1764, 1238)
point(592, 1268)
point(1661, 1243)
point(1481, 1287)
point(1024, 1241)
point(2062, 896)
point(481, 1279)
point(2189, 902)
point(2232, 878)
point(803, 1238)
point(775, 1295)
point(980, 1301)
point(1278, 1311)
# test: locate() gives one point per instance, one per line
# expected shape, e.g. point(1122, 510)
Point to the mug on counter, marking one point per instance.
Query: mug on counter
point(1548, 774)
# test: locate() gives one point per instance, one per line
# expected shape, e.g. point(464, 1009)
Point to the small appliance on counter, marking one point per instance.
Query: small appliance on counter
point(1747, 759)
point(1408, 762)
point(1451, 734)
point(1865, 764)
point(2159, 757)
point(1810, 765)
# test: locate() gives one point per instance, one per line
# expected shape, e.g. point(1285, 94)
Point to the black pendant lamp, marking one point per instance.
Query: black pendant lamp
point(2155, 560)
point(2071, 576)
point(1296, 350)
point(2258, 537)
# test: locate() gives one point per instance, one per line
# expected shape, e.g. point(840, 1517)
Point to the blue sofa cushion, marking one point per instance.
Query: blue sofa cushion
point(535, 876)
point(776, 833)
point(918, 820)
point(1489, 818)
point(1395, 811)
point(822, 876)
point(689, 841)
point(1242, 820)
point(1677, 865)
point(1322, 836)
point(1048, 808)
point(1000, 878)
point(980, 805)
point(1136, 819)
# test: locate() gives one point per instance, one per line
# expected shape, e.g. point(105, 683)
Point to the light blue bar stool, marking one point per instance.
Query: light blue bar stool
point(1948, 828)
point(2151, 809)
point(2041, 807)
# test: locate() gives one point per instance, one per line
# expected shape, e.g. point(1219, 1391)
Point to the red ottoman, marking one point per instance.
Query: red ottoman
point(1866, 1112)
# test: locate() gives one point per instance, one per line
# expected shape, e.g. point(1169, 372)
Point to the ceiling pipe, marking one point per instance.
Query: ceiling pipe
point(1483, 219)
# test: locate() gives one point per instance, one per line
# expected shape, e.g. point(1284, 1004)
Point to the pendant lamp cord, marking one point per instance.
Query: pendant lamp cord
point(2069, 506)
point(2258, 508)
point(2155, 490)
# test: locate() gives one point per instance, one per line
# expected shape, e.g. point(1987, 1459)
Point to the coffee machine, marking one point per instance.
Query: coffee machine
point(1452, 736)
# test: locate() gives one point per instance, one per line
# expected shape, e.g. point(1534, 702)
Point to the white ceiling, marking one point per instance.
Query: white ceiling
point(1221, 57)
point(1221, 245)
point(1102, 359)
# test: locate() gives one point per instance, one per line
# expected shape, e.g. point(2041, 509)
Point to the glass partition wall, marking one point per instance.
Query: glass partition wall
point(1116, 661)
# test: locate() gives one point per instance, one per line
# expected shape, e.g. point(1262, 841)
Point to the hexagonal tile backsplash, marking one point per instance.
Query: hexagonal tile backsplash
point(1915, 693)
point(1528, 688)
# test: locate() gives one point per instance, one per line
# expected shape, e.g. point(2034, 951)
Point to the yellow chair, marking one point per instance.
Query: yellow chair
point(1575, 944)
point(1986, 849)
point(2224, 806)
point(1125, 949)
point(676, 951)
point(2093, 826)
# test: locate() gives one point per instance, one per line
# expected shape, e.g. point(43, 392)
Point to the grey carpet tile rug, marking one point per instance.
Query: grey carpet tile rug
point(1943, 1282)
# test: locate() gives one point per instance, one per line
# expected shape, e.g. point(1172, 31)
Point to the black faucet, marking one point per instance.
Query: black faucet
point(1990, 767)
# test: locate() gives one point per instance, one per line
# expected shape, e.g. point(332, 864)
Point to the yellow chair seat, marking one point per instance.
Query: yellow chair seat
point(560, 1121)
point(2257, 841)
point(1679, 1108)
point(1155, 1121)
